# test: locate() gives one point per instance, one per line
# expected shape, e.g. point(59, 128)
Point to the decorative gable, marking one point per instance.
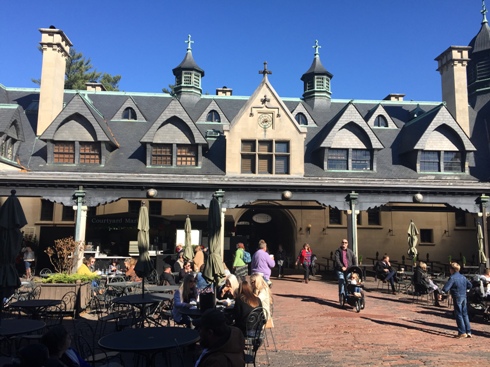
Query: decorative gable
point(378, 117)
point(300, 109)
point(127, 106)
point(213, 106)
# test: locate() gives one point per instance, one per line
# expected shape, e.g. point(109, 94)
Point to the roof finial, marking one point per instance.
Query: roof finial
point(484, 12)
point(189, 43)
point(316, 47)
point(265, 71)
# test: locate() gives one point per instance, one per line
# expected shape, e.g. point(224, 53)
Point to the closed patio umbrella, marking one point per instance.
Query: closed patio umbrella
point(413, 239)
point(213, 268)
point(479, 237)
point(188, 251)
point(12, 219)
point(143, 267)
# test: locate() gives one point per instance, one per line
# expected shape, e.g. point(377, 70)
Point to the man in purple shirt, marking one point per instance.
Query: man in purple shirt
point(262, 262)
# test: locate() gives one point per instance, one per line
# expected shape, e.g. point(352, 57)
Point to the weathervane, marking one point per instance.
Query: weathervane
point(316, 47)
point(189, 42)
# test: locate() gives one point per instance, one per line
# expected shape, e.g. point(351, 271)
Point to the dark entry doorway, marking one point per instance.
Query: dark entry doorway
point(272, 225)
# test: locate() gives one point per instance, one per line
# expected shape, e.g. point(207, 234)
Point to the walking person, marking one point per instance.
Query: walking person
point(304, 258)
point(262, 262)
point(458, 285)
point(344, 258)
point(280, 257)
point(240, 268)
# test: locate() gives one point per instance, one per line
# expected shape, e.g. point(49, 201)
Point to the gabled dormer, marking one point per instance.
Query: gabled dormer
point(213, 114)
point(11, 135)
point(302, 116)
point(129, 111)
point(435, 143)
point(264, 138)
point(174, 140)
point(348, 143)
point(78, 135)
point(316, 83)
point(188, 77)
point(378, 117)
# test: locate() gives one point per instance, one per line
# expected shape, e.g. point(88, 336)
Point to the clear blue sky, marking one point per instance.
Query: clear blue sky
point(372, 47)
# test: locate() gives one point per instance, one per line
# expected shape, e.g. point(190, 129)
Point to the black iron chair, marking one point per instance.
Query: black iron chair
point(254, 335)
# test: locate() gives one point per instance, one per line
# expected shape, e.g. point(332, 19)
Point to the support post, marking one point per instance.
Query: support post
point(80, 226)
point(219, 195)
point(352, 199)
point(483, 202)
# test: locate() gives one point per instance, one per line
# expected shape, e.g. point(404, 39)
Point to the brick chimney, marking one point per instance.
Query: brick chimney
point(56, 50)
point(452, 66)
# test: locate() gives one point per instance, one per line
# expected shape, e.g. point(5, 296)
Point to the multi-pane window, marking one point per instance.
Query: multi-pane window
point(335, 216)
point(361, 160)
point(90, 153)
point(47, 210)
point(452, 162)
point(64, 152)
point(186, 155)
point(161, 155)
point(187, 78)
point(337, 159)
point(374, 217)
point(429, 161)
point(380, 121)
point(265, 157)
point(213, 116)
point(67, 214)
point(301, 118)
point(129, 114)
point(426, 236)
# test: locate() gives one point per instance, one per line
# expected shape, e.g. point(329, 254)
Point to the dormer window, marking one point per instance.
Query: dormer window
point(301, 119)
point(7, 147)
point(430, 161)
point(89, 153)
point(72, 152)
point(349, 160)
point(380, 121)
point(174, 155)
point(64, 152)
point(129, 114)
point(213, 116)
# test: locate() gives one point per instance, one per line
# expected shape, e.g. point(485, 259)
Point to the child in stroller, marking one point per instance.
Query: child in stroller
point(354, 294)
point(479, 296)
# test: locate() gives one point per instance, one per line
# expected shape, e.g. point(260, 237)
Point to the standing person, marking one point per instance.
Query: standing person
point(304, 258)
point(222, 345)
point(240, 268)
point(458, 285)
point(344, 258)
point(385, 272)
point(198, 259)
point(280, 257)
point(262, 262)
point(29, 258)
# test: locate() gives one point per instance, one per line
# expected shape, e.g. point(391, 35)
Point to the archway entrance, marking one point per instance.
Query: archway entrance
point(274, 226)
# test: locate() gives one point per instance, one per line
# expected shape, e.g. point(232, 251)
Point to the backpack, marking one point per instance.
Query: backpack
point(247, 258)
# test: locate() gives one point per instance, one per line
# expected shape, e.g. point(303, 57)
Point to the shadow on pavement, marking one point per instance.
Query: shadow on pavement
point(422, 329)
point(320, 301)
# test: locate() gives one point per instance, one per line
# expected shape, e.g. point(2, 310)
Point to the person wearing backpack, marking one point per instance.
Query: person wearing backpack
point(240, 266)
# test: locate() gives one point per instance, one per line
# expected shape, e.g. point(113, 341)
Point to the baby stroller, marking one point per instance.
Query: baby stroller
point(353, 294)
point(478, 299)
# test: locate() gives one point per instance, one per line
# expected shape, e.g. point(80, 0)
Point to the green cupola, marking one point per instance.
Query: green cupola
point(316, 81)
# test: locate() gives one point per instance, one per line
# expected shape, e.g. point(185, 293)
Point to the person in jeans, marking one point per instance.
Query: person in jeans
point(385, 272)
point(304, 258)
point(458, 285)
point(344, 258)
point(280, 257)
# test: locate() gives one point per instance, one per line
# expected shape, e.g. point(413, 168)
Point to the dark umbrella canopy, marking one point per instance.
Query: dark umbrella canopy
point(12, 219)
point(144, 266)
point(188, 251)
point(213, 269)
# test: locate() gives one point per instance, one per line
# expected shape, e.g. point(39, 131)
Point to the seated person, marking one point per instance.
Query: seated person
point(229, 288)
point(166, 278)
point(222, 345)
point(423, 284)
point(183, 297)
point(385, 272)
point(179, 264)
point(130, 263)
point(355, 285)
point(114, 266)
point(486, 283)
point(84, 269)
point(201, 283)
point(245, 302)
point(32, 355)
point(187, 269)
point(58, 342)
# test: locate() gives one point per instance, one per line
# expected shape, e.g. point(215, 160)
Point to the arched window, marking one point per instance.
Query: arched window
point(301, 119)
point(129, 114)
point(380, 121)
point(213, 116)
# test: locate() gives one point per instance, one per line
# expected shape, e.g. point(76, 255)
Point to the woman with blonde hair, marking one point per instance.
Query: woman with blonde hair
point(184, 297)
point(261, 289)
point(130, 263)
point(229, 288)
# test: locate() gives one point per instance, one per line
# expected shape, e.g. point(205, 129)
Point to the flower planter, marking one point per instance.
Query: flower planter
point(58, 290)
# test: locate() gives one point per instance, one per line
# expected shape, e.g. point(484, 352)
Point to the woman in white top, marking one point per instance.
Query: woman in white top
point(261, 289)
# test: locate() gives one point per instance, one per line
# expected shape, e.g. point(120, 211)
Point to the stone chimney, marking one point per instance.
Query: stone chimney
point(452, 66)
point(56, 50)
point(224, 91)
point(394, 97)
point(95, 86)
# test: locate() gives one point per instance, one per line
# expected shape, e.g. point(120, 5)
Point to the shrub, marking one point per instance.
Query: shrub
point(61, 255)
point(68, 278)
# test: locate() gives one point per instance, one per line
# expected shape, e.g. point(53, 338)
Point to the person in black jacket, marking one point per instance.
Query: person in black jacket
point(385, 272)
point(344, 258)
point(423, 284)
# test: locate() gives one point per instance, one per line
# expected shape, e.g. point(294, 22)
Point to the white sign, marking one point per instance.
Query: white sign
point(195, 237)
point(262, 218)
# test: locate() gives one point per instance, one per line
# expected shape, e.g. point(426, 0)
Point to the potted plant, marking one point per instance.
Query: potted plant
point(360, 259)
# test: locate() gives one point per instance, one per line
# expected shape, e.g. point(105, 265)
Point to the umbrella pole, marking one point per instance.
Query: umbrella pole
point(143, 288)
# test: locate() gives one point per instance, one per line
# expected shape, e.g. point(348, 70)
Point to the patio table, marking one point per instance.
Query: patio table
point(35, 306)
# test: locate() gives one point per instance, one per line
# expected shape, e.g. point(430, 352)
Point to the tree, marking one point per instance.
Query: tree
point(169, 90)
point(79, 71)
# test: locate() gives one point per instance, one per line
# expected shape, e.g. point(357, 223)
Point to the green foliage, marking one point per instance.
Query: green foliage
point(68, 278)
point(169, 90)
point(360, 259)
